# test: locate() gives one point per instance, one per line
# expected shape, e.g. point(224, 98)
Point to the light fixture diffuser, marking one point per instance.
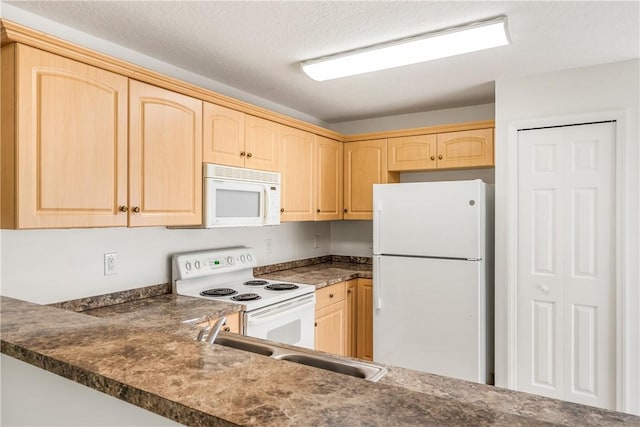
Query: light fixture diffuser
point(412, 50)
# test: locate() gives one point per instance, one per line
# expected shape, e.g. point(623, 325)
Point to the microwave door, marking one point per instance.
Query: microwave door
point(234, 204)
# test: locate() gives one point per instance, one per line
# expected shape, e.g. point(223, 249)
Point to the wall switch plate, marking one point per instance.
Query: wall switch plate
point(110, 264)
point(316, 241)
point(267, 246)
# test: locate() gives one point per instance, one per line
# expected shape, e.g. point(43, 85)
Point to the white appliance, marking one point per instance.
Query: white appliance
point(273, 310)
point(433, 277)
point(236, 197)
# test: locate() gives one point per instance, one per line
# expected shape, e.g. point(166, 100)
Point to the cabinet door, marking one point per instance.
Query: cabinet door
point(223, 136)
point(331, 323)
point(261, 144)
point(69, 142)
point(365, 319)
point(352, 318)
point(233, 323)
point(165, 157)
point(412, 153)
point(471, 148)
point(328, 171)
point(297, 191)
point(365, 164)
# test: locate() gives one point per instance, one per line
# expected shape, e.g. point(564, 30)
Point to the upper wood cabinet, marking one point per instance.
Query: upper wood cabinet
point(297, 149)
point(64, 142)
point(165, 157)
point(463, 149)
point(470, 148)
point(412, 153)
point(365, 164)
point(328, 176)
point(237, 139)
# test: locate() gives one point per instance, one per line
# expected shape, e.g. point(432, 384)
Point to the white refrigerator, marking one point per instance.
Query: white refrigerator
point(433, 277)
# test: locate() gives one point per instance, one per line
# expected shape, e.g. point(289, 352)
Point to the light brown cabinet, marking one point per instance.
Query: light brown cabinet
point(364, 332)
point(331, 319)
point(298, 184)
point(365, 164)
point(165, 157)
point(328, 178)
point(234, 138)
point(352, 317)
point(451, 150)
point(232, 324)
point(64, 142)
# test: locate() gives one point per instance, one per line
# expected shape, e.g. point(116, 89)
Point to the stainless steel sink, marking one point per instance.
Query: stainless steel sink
point(352, 367)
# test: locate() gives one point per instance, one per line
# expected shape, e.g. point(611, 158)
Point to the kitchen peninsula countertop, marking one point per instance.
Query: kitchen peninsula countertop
point(143, 353)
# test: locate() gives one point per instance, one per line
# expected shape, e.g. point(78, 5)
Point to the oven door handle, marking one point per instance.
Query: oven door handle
point(281, 310)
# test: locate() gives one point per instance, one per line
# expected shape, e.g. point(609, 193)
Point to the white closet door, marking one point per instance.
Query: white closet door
point(566, 278)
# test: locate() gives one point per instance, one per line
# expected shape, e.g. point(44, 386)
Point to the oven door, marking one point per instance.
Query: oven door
point(290, 322)
point(233, 203)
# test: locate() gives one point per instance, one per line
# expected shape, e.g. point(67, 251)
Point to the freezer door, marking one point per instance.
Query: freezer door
point(437, 219)
point(429, 315)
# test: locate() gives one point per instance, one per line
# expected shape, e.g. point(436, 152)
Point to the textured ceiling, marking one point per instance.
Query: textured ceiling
point(257, 46)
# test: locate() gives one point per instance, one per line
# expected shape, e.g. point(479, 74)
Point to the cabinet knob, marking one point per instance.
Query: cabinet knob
point(249, 155)
point(440, 157)
point(226, 329)
point(124, 208)
point(318, 210)
point(330, 295)
point(315, 323)
point(348, 291)
point(136, 209)
point(433, 157)
point(346, 210)
point(242, 154)
point(281, 210)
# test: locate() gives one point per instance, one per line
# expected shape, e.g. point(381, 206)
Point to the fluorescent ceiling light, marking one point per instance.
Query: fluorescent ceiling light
point(421, 48)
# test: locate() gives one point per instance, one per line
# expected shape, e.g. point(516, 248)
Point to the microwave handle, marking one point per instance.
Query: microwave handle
point(266, 201)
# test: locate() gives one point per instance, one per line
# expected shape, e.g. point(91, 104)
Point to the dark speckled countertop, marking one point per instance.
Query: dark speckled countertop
point(143, 351)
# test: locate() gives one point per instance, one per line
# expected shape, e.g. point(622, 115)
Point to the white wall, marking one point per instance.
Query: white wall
point(557, 96)
point(428, 118)
point(45, 266)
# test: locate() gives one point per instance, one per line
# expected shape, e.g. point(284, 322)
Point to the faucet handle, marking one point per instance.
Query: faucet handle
point(215, 328)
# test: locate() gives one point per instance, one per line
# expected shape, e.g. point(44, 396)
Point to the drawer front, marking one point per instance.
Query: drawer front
point(330, 294)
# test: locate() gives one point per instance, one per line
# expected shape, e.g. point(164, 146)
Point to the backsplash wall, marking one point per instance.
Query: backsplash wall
point(45, 266)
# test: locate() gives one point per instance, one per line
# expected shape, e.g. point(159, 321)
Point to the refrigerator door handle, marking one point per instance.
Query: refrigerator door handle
point(376, 228)
point(377, 300)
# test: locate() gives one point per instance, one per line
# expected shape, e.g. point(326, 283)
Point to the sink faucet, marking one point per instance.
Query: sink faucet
point(213, 329)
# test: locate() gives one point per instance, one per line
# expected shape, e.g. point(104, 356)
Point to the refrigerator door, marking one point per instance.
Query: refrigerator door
point(435, 219)
point(429, 315)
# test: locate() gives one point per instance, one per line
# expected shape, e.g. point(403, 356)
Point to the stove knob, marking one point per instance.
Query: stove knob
point(197, 265)
point(188, 266)
point(242, 258)
point(249, 257)
point(230, 260)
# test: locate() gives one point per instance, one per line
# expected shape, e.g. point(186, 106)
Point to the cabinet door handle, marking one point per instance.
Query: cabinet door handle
point(124, 208)
point(318, 210)
point(315, 323)
point(348, 291)
point(242, 154)
point(226, 329)
point(346, 210)
point(281, 210)
point(440, 157)
point(136, 209)
point(433, 157)
point(330, 295)
point(249, 155)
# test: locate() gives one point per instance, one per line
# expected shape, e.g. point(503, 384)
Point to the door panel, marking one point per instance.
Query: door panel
point(566, 281)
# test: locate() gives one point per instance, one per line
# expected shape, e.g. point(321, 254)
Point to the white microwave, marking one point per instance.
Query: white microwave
point(238, 197)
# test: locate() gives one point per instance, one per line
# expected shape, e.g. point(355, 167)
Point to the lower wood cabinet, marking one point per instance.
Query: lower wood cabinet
point(231, 325)
point(331, 319)
point(344, 319)
point(364, 321)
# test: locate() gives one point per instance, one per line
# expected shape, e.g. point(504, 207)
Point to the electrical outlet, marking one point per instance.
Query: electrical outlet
point(267, 246)
point(110, 264)
point(316, 241)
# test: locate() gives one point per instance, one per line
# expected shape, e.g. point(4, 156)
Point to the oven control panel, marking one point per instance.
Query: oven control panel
point(205, 263)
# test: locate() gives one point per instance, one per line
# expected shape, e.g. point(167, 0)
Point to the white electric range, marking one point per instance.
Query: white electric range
point(274, 310)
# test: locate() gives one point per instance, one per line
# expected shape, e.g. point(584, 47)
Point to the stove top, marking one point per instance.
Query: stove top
point(227, 275)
